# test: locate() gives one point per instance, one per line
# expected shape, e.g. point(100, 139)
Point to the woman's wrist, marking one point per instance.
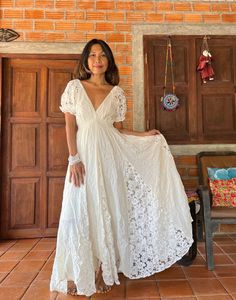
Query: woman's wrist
point(74, 159)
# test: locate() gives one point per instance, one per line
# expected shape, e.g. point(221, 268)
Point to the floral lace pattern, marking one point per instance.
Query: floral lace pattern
point(121, 107)
point(153, 248)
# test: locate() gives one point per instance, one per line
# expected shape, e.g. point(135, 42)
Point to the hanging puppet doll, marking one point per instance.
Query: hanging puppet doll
point(204, 66)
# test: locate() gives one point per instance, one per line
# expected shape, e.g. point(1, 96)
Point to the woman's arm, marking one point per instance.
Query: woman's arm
point(77, 170)
point(119, 126)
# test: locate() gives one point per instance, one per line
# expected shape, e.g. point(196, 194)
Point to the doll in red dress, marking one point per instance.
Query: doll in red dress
point(205, 67)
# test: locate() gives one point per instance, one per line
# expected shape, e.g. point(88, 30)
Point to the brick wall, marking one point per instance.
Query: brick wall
point(111, 20)
point(187, 167)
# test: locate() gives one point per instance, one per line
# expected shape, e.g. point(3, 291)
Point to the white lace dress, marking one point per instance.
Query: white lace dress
point(132, 214)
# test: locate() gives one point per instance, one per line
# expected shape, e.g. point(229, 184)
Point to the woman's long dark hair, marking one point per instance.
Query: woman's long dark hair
point(82, 70)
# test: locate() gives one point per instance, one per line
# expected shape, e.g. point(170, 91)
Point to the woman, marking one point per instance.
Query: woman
point(124, 207)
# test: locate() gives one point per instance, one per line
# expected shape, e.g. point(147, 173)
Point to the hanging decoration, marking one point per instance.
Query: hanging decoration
point(8, 35)
point(170, 101)
point(205, 63)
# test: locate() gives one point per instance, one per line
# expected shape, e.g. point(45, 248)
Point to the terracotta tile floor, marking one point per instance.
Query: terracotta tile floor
point(25, 270)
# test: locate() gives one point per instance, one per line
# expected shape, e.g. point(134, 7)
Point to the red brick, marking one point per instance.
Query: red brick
point(44, 25)
point(129, 59)
point(135, 17)
point(86, 4)
point(24, 24)
point(120, 59)
point(35, 36)
point(115, 37)
point(55, 37)
point(174, 17)
point(7, 24)
point(85, 26)
point(123, 48)
point(75, 15)
point(76, 37)
point(34, 14)
point(212, 18)
point(201, 7)
point(7, 3)
point(127, 5)
point(220, 7)
point(182, 7)
point(193, 18)
point(128, 37)
point(129, 105)
point(56, 15)
point(13, 13)
point(152, 17)
point(104, 27)
point(115, 16)
point(185, 160)
point(229, 18)
point(25, 3)
point(144, 6)
point(165, 6)
point(123, 27)
point(125, 70)
point(63, 25)
point(65, 4)
point(96, 35)
point(233, 7)
point(44, 3)
point(95, 16)
point(104, 5)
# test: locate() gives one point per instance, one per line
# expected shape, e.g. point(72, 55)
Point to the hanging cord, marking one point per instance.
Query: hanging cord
point(169, 55)
point(204, 45)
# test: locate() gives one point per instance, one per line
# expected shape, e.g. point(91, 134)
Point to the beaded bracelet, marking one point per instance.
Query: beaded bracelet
point(74, 159)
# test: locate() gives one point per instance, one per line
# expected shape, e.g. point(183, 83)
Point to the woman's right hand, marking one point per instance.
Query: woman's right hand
point(77, 173)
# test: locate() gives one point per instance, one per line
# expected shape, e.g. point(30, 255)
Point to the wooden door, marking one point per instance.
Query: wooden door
point(34, 152)
point(216, 99)
point(176, 124)
point(207, 112)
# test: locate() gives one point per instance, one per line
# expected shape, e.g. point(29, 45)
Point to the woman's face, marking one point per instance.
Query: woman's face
point(97, 60)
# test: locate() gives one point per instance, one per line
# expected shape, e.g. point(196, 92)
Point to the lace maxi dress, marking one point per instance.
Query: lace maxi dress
point(131, 215)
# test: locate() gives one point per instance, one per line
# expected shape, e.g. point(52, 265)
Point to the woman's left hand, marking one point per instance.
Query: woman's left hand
point(151, 132)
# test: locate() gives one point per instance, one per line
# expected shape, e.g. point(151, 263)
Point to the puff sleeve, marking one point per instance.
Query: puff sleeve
point(68, 99)
point(121, 106)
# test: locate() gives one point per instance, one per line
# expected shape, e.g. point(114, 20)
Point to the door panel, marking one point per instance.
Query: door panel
point(25, 198)
point(35, 150)
point(216, 99)
point(175, 125)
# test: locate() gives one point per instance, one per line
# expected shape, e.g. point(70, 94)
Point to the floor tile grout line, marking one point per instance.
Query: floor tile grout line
point(30, 285)
point(8, 248)
point(20, 260)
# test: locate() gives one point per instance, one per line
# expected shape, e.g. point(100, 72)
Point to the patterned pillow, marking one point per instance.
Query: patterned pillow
point(221, 173)
point(223, 192)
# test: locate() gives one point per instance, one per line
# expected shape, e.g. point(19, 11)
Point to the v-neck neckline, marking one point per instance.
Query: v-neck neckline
point(89, 100)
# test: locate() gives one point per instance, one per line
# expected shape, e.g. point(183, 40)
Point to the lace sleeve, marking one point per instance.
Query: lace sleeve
point(68, 99)
point(121, 106)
